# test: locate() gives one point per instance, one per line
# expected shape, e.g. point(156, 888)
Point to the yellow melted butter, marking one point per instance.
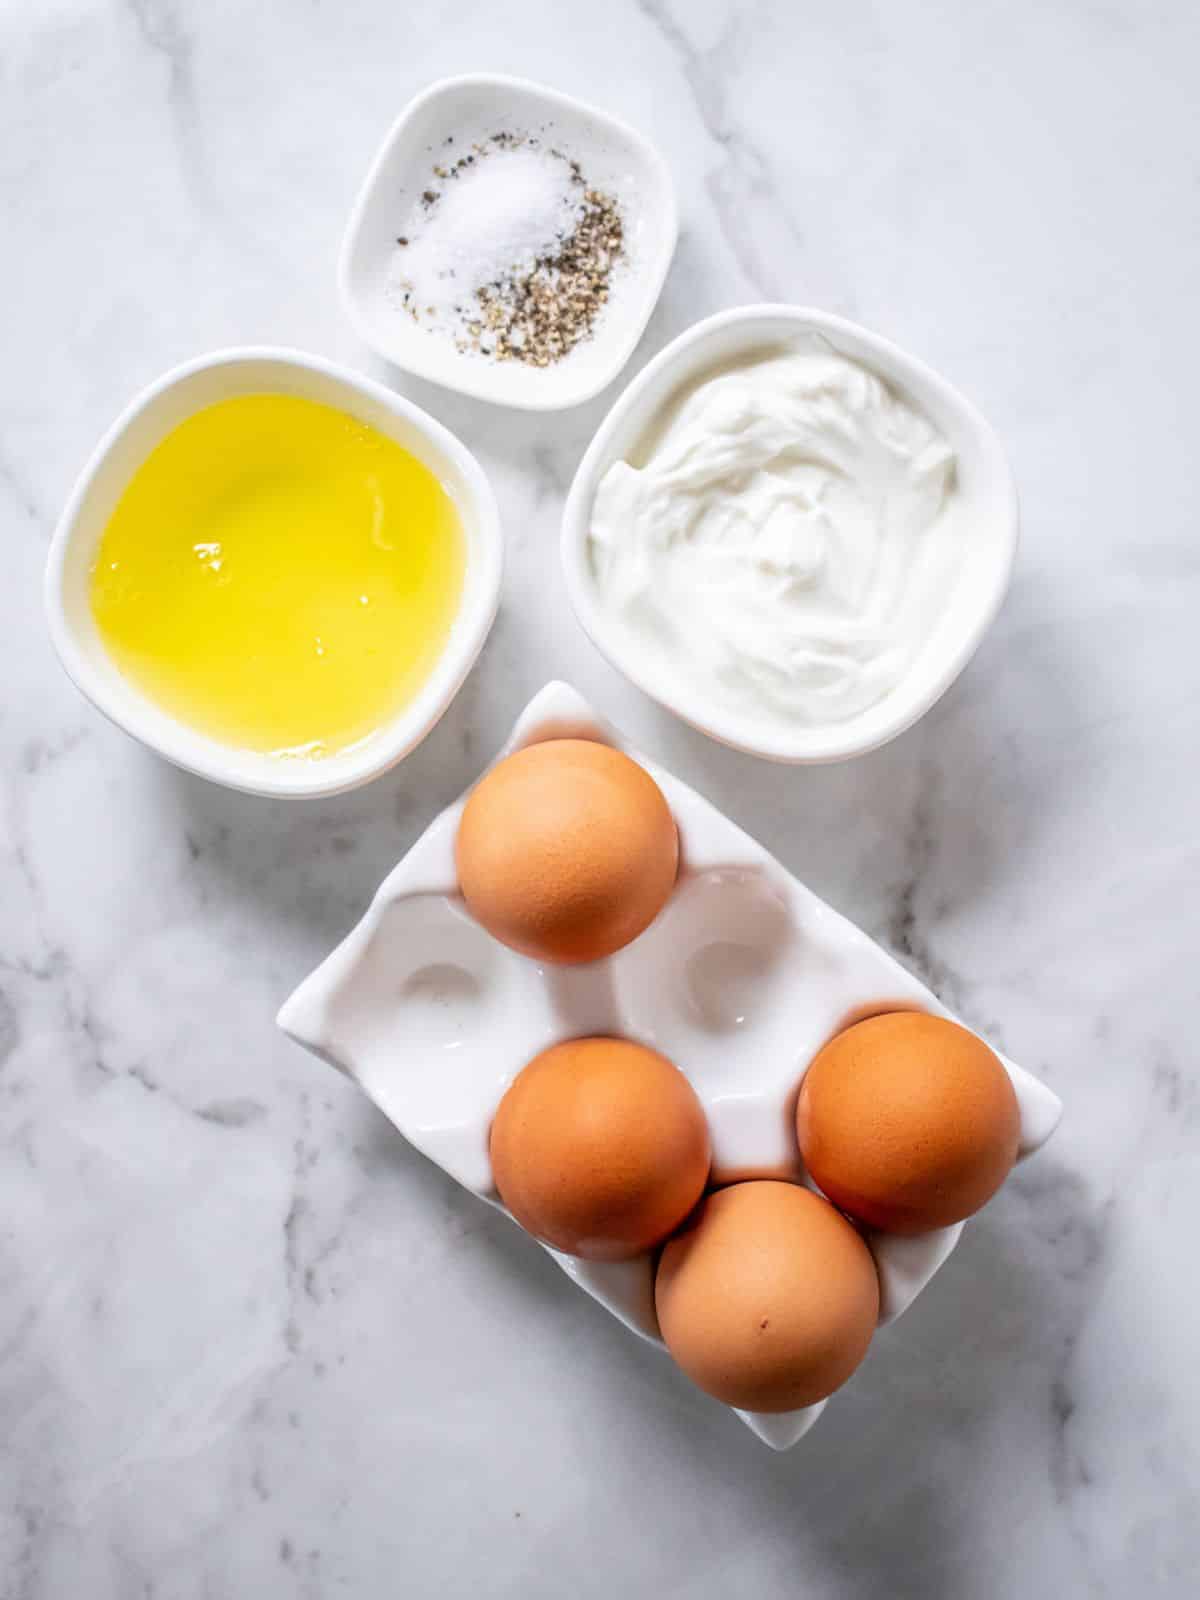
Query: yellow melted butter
point(279, 576)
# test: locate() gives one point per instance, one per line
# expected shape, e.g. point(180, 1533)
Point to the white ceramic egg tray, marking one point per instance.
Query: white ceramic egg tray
point(739, 981)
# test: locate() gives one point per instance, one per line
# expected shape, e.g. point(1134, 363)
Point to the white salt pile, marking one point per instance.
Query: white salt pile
point(509, 253)
point(490, 220)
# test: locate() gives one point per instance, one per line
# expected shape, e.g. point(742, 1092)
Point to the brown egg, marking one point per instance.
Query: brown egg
point(567, 850)
point(908, 1122)
point(600, 1147)
point(768, 1298)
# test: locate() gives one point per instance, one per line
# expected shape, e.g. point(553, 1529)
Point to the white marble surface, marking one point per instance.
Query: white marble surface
point(250, 1344)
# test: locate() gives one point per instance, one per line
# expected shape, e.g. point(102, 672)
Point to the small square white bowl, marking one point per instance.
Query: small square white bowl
point(614, 158)
point(985, 483)
point(137, 431)
point(740, 980)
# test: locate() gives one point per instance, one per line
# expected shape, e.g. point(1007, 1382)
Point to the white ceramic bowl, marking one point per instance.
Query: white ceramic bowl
point(614, 158)
point(161, 408)
point(740, 980)
point(985, 484)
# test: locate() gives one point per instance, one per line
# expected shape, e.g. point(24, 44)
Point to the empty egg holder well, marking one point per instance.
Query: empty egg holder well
point(739, 981)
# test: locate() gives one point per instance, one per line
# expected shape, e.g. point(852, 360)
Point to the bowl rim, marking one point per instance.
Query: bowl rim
point(809, 746)
point(203, 756)
point(459, 378)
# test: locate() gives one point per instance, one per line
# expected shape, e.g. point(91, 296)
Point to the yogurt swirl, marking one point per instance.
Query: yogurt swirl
point(789, 542)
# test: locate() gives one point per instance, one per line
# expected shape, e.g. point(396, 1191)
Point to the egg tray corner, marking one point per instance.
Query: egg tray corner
point(739, 981)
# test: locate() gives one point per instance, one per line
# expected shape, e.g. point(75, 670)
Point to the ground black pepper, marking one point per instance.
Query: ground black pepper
point(536, 313)
point(541, 317)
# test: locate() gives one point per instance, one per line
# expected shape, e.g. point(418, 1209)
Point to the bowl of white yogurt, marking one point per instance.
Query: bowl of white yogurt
point(790, 533)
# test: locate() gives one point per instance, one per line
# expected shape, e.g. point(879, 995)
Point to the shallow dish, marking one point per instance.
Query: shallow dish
point(614, 158)
point(741, 979)
point(984, 481)
point(153, 415)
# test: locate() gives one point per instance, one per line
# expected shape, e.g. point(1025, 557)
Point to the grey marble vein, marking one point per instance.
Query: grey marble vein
point(741, 184)
point(162, 30)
